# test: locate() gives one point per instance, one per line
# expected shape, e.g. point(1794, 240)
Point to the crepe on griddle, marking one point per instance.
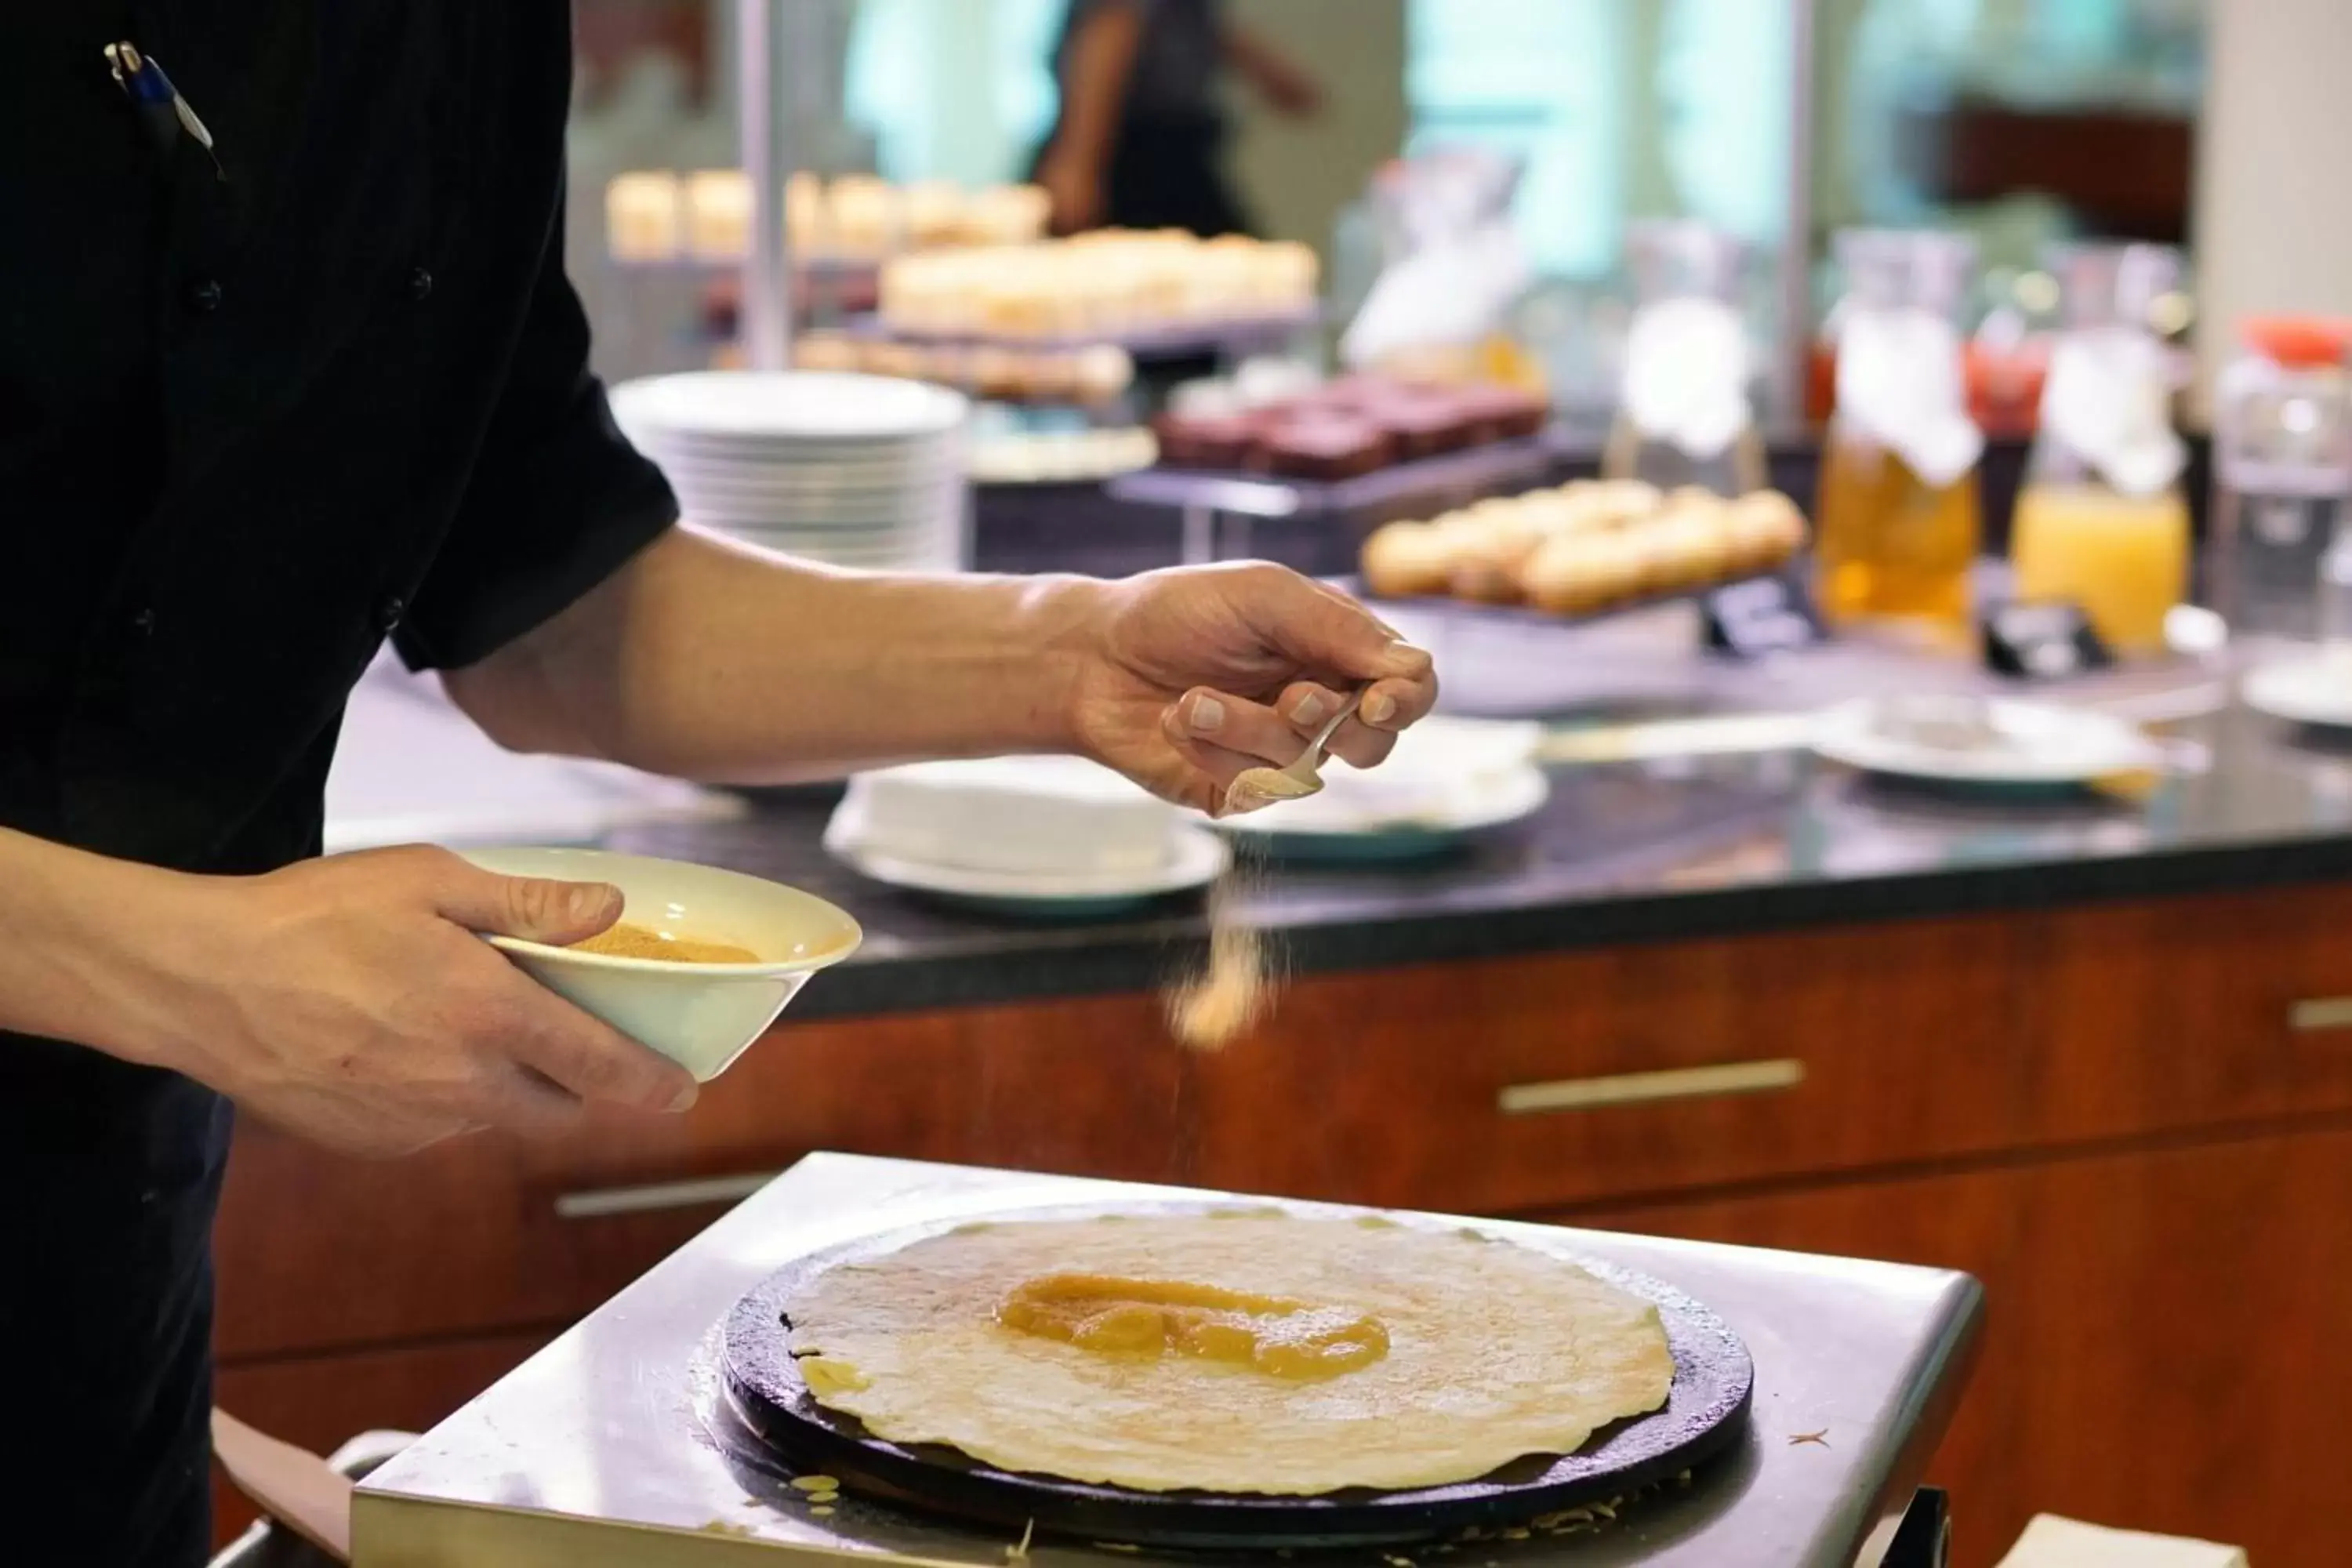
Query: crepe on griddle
point(1489, 1352)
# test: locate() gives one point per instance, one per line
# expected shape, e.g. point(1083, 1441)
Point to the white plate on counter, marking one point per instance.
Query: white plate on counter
point(2315, 689)
point(1983, 740)
point(1345, 831)
point(1449, 778)
point(1196, 858)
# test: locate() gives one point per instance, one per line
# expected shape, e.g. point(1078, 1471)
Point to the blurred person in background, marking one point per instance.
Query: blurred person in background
point(1141, 138)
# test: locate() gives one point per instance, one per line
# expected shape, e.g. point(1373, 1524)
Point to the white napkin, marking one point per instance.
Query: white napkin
point(1686, 375)
point(2050, 1542)
point(1900, 382)
point(2106, 398)
point(1450, 295)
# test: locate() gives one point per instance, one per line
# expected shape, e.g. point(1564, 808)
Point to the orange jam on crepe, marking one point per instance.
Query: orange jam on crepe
point(1270, 1334)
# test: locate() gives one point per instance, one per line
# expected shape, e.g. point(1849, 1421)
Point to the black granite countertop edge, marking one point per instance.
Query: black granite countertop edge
point(1147, 958)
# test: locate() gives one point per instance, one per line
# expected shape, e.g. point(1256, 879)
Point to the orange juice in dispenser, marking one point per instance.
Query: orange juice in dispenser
point(2101, 521)
point(1899, 523)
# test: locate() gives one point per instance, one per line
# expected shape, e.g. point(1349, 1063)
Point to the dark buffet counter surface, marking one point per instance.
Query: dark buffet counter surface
point(1682, 849)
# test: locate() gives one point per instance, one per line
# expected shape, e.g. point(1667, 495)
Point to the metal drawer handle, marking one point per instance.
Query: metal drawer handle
point(2321, 1013)
point(1649, 1087)
point(604, 1202)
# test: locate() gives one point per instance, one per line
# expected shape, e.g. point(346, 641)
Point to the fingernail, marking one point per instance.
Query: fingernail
point(586, 901)
point(1310, 709)
point(685, 1098)
point(1208, 714)
point(1379, 707)
point(1404, 659)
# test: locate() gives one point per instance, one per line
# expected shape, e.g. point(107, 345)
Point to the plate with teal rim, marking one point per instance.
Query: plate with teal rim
point(1510, 796)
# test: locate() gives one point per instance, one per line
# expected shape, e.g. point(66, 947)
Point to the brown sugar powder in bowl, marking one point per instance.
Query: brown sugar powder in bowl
point(626, 941)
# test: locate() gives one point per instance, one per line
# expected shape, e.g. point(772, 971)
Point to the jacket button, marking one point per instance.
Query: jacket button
point(205, 295)
point(420, 284)
point(389, 610)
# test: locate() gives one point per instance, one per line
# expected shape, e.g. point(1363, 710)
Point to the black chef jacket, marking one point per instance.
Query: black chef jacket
point(253, 419)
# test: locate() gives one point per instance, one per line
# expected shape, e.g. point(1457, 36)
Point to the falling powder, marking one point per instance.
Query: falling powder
point(1210, 1009)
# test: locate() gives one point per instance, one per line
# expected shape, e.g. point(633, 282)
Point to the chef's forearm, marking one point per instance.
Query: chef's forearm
point(77, 935)
point(704, 660)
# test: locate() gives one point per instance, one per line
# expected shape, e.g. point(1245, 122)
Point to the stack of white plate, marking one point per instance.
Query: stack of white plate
point(853, 470)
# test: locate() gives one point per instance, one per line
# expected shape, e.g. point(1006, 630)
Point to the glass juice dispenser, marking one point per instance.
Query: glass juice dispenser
point(2101, 520)
point(2282, 475)
point(1898, 522)
point(1684, 415)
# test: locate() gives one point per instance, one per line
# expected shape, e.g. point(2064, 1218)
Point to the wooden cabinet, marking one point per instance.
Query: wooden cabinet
point(2133, 1122)
point(2164, 1344)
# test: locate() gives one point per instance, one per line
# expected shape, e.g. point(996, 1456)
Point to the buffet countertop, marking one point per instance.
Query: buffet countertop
point(1624, 852)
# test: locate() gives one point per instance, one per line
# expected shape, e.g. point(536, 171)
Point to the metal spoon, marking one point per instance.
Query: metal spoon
point(1254, 788)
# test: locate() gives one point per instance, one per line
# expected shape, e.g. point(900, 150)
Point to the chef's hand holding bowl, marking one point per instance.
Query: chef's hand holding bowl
point(350, 999)
point(701, 1014)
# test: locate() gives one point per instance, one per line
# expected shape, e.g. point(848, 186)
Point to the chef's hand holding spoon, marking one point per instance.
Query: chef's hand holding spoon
point(1205, 674)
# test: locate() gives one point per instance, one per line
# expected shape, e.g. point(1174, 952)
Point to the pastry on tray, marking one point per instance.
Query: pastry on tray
point(1584, 547)
point(1323, 447)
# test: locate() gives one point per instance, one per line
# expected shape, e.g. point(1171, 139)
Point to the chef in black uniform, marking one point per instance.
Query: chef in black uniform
point(1139, 141)
point(288, 365)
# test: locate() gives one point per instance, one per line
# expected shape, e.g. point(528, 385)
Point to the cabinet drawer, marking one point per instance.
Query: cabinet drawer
point(2174, 1012)
point(483, 1232)
point(1515, 1084)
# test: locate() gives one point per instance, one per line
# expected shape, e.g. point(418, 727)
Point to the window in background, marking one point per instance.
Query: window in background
point(954, 89)
point(1621, 109)
point(2022, 121)
point(1725, 111)
point(1541, 80)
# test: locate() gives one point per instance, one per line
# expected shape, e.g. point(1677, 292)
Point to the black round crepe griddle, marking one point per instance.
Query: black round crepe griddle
point(1705, 1412)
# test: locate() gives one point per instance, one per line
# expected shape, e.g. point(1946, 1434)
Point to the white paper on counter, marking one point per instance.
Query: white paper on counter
point(411, 769)
point(1686, 380)
point(1900, 382)
point(2050, 1542)
point(2107, 398)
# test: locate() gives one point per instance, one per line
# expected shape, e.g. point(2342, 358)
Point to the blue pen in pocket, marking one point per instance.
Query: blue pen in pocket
point(166, 113)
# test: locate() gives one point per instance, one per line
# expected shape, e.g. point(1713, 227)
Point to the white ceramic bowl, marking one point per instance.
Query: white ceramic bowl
point(699, 1015)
